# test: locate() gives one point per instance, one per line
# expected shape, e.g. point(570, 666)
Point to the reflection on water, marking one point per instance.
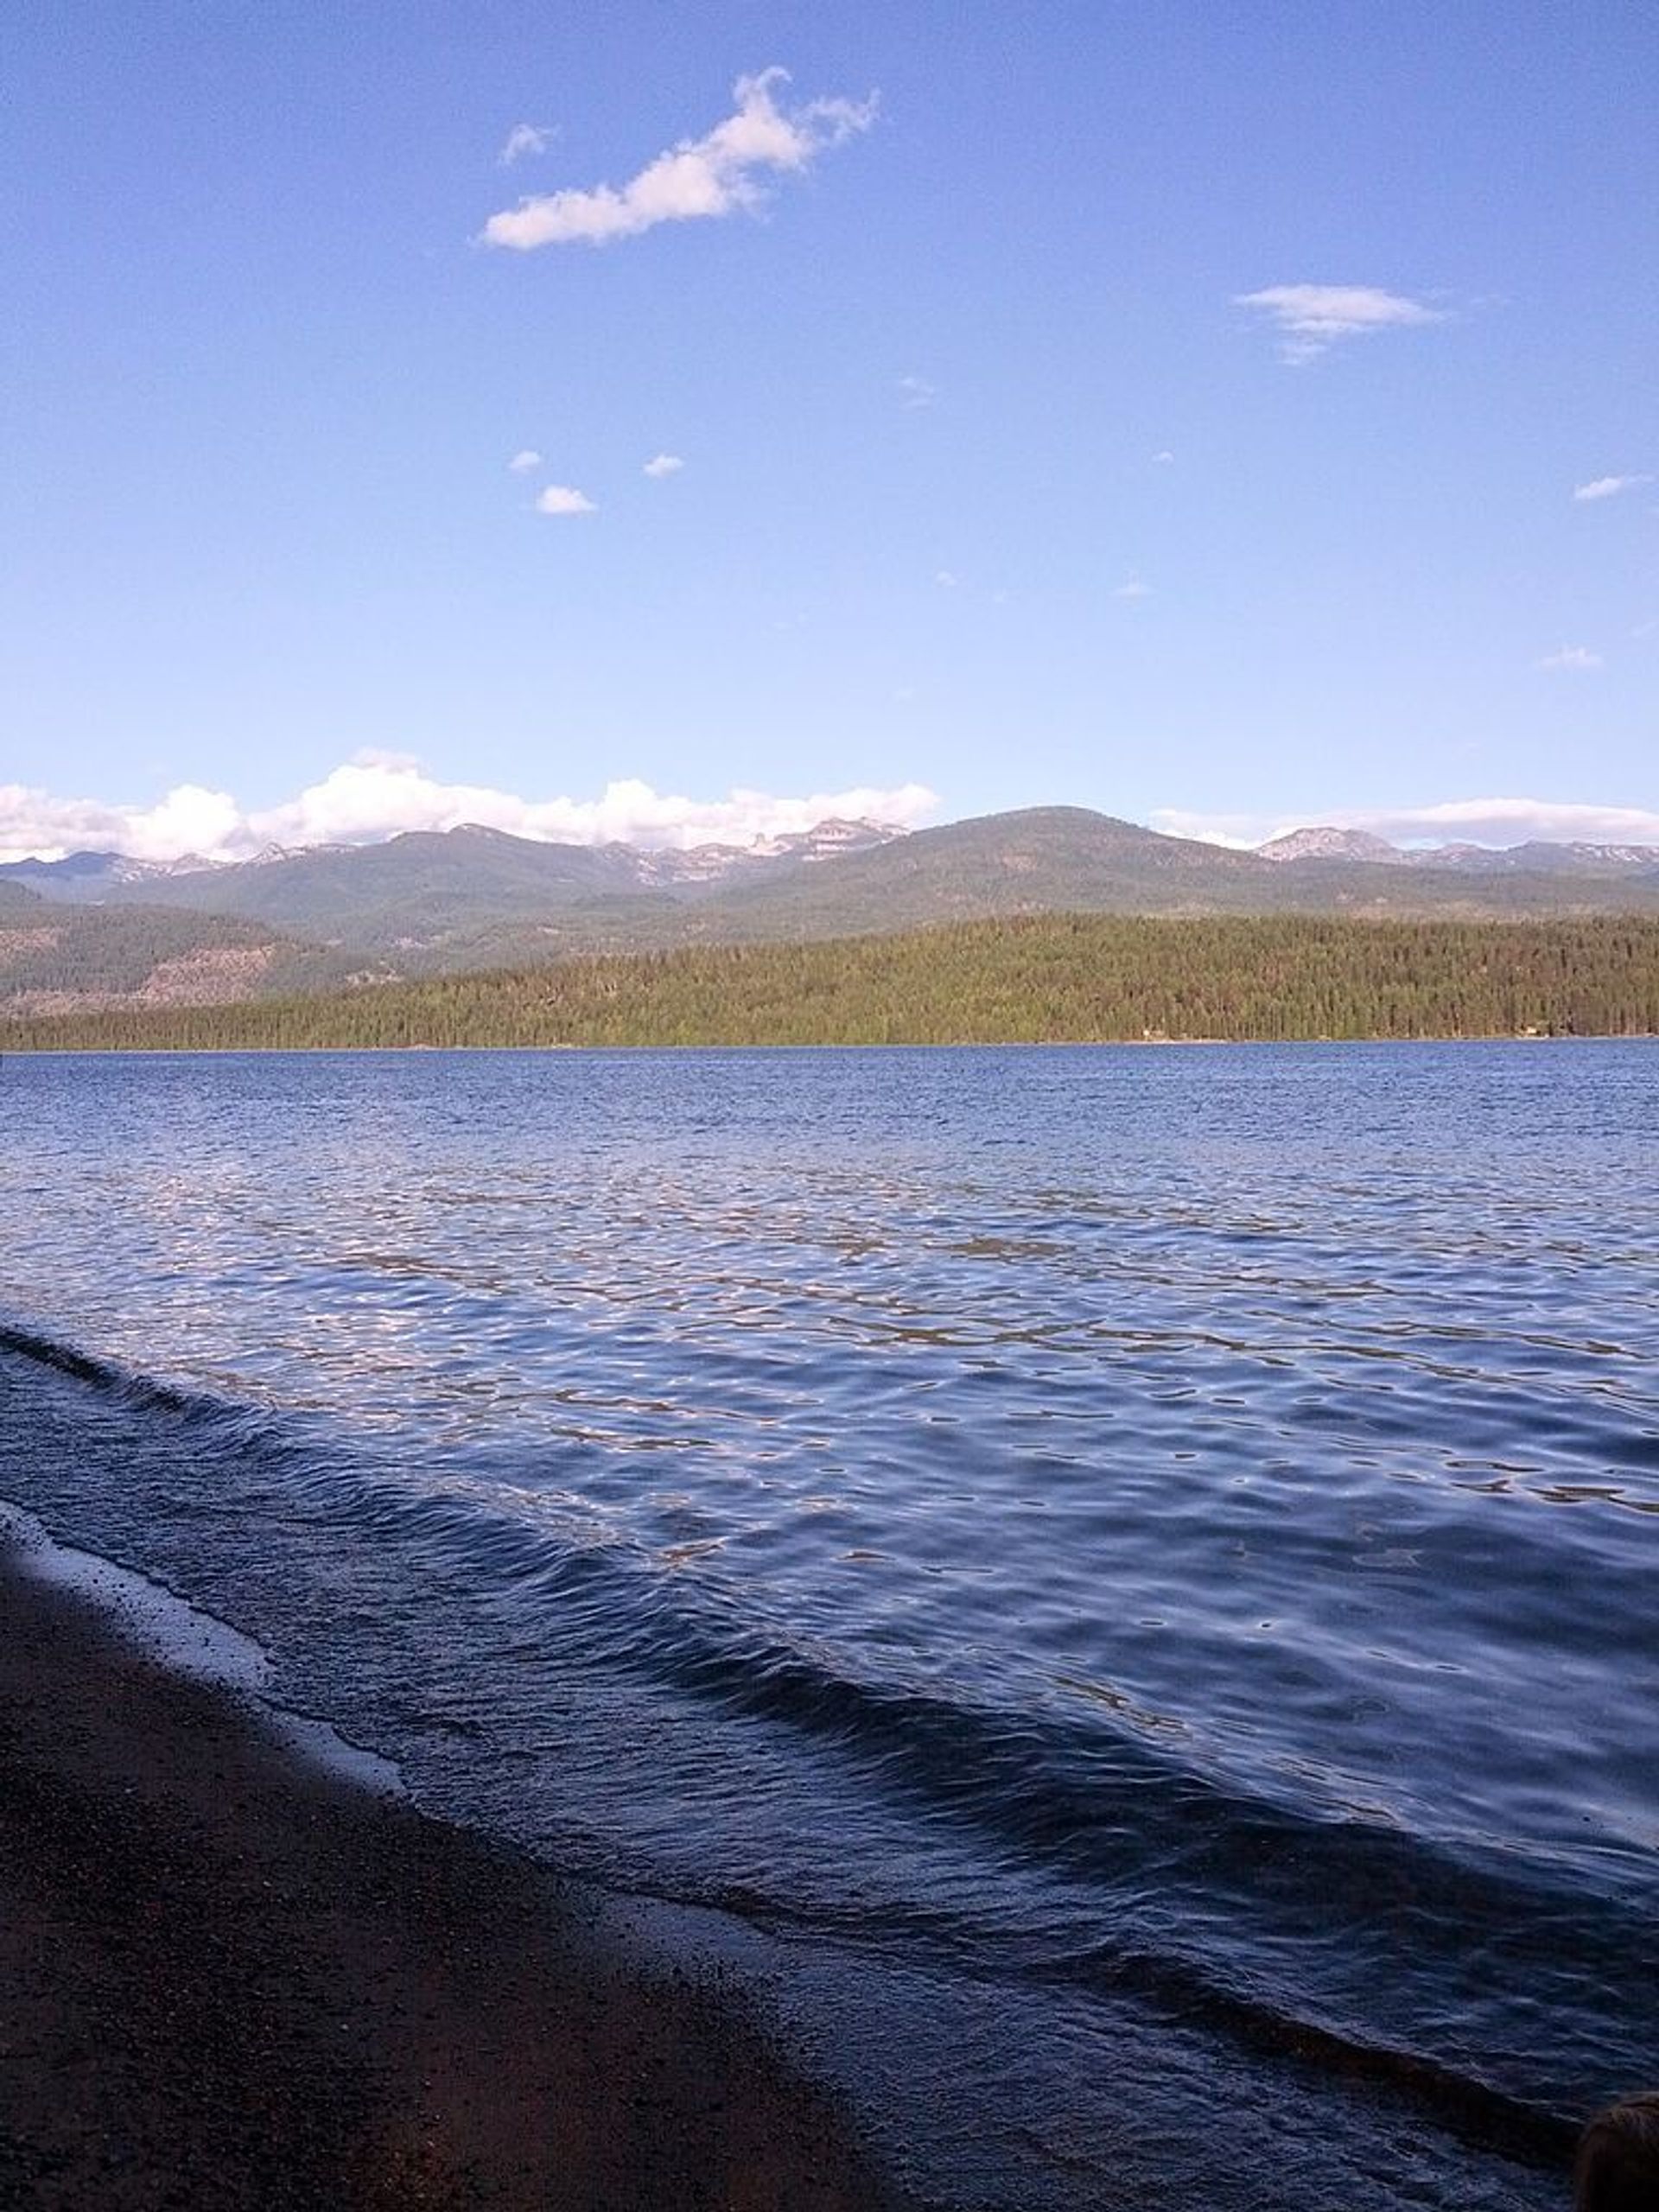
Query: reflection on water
point(1204, 1494)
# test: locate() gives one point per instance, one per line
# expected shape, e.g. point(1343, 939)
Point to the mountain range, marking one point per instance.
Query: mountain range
point(1577, 858)
point(96, 929)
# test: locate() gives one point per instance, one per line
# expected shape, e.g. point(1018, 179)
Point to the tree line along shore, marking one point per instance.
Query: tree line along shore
point(1062, 978)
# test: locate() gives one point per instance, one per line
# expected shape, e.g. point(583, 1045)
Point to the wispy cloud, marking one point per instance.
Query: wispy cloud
point(1133, 588)
point(665, 464)
point(1572, 660)
point(564, 499)
point(1164, 458)
point(525, 458)
point(525, 138)
point(916, 391)
point(380, 794)
point(1311, 318)
point(1463, 821)
point(716, 174)
point(1609, 487)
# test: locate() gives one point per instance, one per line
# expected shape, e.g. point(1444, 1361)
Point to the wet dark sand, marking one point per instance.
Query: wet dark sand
point(228, 1980)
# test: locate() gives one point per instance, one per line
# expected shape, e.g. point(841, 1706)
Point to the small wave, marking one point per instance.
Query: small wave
point(187, 1641)
point(1161, 1845)
point(102, 1374)
point(1316, 1937)
point(1476, 2109)
point(1262, 1921)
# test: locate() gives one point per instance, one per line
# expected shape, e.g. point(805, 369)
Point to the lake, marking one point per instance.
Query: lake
point(1112, 1587)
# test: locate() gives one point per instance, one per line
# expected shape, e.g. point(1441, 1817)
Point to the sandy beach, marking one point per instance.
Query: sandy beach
point(229, 1978)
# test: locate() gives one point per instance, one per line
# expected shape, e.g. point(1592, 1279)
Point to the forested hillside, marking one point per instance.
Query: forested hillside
point(1068, 977)
point(57, 958)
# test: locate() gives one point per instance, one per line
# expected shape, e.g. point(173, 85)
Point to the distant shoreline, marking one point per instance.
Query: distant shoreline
point(949, 1045)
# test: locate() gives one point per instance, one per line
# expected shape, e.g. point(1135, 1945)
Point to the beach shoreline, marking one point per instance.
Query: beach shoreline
point(230, 1977)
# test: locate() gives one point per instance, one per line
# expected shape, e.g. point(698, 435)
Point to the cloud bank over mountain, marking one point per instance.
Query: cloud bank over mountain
point(377, 795)
point(1462, 821)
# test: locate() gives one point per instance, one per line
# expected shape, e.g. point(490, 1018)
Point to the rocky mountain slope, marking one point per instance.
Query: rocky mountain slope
point(58, 958)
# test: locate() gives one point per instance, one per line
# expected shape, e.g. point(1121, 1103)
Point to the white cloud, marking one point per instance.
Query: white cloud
point(716, 174)
point(380, 794)
point(1463, 821)
point(525, 138)
point(946, 579)
point(916, 391)
point(1133, 589)
point(1576, 660)
point(526, 458)
point(1608, 488)
point(564, 499)
point(665, 464)
point(1311, 317)
point(1165, 458)
point(189, 819)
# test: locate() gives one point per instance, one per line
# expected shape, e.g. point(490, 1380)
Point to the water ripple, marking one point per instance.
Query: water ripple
point(1111, 1509)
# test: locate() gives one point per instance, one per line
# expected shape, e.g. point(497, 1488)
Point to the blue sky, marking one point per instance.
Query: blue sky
point(1227, 417)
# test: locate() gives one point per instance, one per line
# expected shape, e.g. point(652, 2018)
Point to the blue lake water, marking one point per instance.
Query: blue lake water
point(1115, 1586)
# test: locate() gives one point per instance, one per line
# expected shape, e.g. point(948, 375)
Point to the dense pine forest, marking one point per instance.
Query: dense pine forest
point(1051, 978)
